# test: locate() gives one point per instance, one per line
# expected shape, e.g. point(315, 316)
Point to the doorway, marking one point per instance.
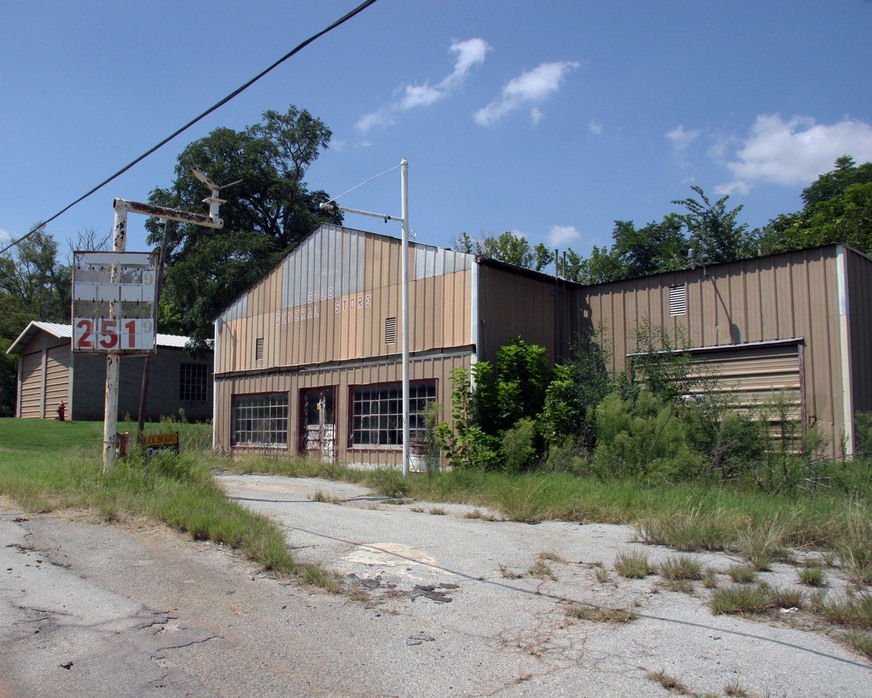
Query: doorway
point(318, 427)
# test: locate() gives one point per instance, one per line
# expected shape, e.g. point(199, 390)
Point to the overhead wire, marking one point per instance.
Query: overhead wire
point(357, 10)
point(390, 169)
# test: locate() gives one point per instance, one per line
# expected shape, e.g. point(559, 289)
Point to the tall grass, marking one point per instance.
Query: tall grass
point(52, 465)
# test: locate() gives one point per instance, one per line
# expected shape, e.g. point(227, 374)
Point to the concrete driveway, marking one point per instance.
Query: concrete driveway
point(506, 591)
point(434, 603)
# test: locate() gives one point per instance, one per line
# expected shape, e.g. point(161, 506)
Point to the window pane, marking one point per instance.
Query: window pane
point(260, 420)
point(377, 413)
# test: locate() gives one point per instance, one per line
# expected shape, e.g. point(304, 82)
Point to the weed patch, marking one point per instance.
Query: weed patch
point(681, 567)
point(633, 565)
point(742, 574)
point(599, 614)
point(740, 599)
point(670, 683)
point(542, 570)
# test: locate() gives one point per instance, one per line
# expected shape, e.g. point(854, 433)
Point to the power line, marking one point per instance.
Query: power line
point(357, 10)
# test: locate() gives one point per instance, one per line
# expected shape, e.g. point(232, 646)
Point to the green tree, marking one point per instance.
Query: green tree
point(838, 209)
point(713, 231)
point(34, 285)
point(266, 214)
point(836, 182)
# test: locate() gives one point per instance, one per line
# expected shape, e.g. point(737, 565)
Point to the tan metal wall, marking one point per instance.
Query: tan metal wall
point(330, 298)
point(859, 268)
point(511, 304)
point(57, 380)
point(30, 399)
point(45, 377)
point(780, 297)
point(343, 377)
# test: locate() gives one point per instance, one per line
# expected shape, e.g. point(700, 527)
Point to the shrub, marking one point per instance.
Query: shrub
point(642, 438)
point(519, 447)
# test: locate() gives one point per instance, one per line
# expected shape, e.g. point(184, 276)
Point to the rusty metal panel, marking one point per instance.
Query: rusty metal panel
point(752, 377)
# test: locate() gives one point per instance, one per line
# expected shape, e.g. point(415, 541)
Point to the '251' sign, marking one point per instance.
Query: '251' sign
point(105, 335)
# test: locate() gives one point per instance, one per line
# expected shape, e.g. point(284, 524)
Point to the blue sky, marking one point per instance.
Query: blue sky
point(551, 119)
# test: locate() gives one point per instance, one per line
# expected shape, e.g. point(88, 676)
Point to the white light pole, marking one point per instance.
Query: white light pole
point(404, 274)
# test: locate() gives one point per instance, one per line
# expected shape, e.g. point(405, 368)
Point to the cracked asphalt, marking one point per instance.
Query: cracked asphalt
point(433, 603)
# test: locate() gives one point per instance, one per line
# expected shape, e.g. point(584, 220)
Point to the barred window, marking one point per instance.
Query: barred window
point(193, 382)
point(377, 413)
point(260, 420)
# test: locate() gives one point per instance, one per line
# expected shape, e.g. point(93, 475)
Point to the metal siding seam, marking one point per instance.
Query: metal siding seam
point(844, 346)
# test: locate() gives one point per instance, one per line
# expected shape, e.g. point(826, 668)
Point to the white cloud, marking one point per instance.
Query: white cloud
point(681, 141)
point(5, 237)
point(795, 151)
point(595, 127)
point(382, 117)
point(469, 54)
point(731, 188)
point(536, 115)
point(560, 235)
point(530, 86)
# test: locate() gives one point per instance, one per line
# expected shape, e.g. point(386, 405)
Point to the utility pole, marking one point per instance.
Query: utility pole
point(404, 280)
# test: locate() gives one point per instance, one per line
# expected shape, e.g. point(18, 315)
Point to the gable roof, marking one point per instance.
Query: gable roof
point(170, 341)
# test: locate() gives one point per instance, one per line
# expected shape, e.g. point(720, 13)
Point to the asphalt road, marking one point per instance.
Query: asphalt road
point(434, 603)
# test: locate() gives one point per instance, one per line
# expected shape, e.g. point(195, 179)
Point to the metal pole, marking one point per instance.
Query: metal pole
point(404, 270)
point(146, 366)
point(113, 358)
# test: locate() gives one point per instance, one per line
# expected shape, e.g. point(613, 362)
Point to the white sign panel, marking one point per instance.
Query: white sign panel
point(114, 302)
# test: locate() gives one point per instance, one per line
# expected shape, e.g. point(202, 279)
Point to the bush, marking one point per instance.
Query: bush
point(519, 447)
point(642, 438)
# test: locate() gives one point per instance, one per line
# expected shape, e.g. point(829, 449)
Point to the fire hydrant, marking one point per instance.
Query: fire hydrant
point(62, 408)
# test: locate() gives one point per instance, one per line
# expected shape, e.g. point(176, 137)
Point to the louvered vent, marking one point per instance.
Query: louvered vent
point(391, 330)
point(258, 349)
point(678, 300)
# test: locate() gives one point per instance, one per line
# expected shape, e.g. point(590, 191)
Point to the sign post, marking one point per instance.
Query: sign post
point(114, 303)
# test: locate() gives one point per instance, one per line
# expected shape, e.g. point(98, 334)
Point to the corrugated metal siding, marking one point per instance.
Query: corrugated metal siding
point(751, 377)
point(57, 379)
point(512, 305)
point(343, 378)
point(31, 385)
point(860, 324)
point(328, 301)
point(787, 296)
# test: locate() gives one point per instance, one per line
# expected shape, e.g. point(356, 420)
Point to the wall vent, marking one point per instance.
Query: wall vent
point(391, 330)
point(258, 349)
point(678, 300)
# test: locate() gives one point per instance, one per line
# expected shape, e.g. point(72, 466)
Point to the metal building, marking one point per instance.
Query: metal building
point(307, 360)
point(798, 323)
point(49, 373)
